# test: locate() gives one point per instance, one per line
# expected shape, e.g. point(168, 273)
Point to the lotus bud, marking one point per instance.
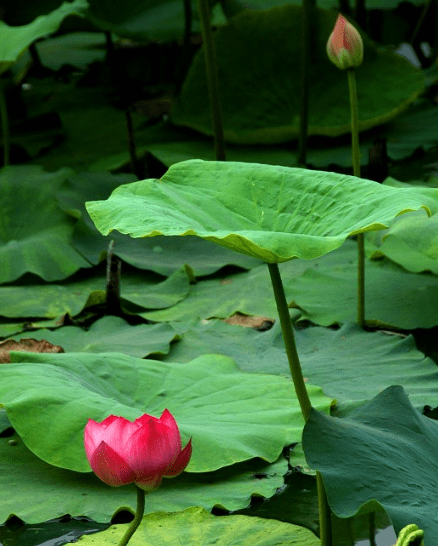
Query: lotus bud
point(345, 46)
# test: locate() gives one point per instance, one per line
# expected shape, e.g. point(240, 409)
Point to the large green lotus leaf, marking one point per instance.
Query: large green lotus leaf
point(350, 365)
point(110, 334)
point(413, 183)
point(394, 298)
point(411, 241)
point(196, 526)
point(384, 453)
point(145, 290)
point(78, 49)
point(35, 236)
point(163, 255)
point(411, 130)
point(56, 491)
point(260, 96)
point(14, 40)
point(408, 132)
point(146, 20)
point(260, 412)
point(269, 212)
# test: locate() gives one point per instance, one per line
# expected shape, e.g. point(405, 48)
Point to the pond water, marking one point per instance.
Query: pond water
point(385, 537)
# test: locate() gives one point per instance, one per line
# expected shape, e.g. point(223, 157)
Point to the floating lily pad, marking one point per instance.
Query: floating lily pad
point(382, 454)
point(350, 365)
point(85, 495)
point(9, 329)
point(261, 413)
point(26, 345)
point(268, 212)
point(39, 241)
point(323, 291)
point(247, 293)
point(145, 290)
point(81, 109)
point(110, 334)
point(196, 526)
point(394, 298)
point(260, 95)
point(81, 187)
point(411, 241)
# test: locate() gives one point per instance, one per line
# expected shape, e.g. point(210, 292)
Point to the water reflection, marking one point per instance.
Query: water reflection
point(385, 537)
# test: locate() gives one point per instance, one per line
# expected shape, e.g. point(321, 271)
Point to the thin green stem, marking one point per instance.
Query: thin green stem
point(5, 124)
point(354, 121)
point(136, 167)
point(289, 341)
point(138, 517)
point(212, 78)
point(360, 280)
point(305, 71)
point(372, 528)
point(325, 522)
point(356, 172)
point(300, 389)
point(181, 69)
point(420, 21)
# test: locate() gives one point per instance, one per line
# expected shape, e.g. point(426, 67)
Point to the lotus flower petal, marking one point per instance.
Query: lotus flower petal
point(181, 462)
point(121, 451)
point(110, 467)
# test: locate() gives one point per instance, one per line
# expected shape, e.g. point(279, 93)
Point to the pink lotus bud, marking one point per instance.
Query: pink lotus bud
point(345, 46)
point(145, 451)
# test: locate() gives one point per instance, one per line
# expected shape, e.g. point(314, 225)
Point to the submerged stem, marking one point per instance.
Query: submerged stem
point(137, 519)
point(356, 172)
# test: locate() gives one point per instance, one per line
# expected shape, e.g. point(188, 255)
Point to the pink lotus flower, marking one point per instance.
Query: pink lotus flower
point(345, 46)
point(145, 451)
